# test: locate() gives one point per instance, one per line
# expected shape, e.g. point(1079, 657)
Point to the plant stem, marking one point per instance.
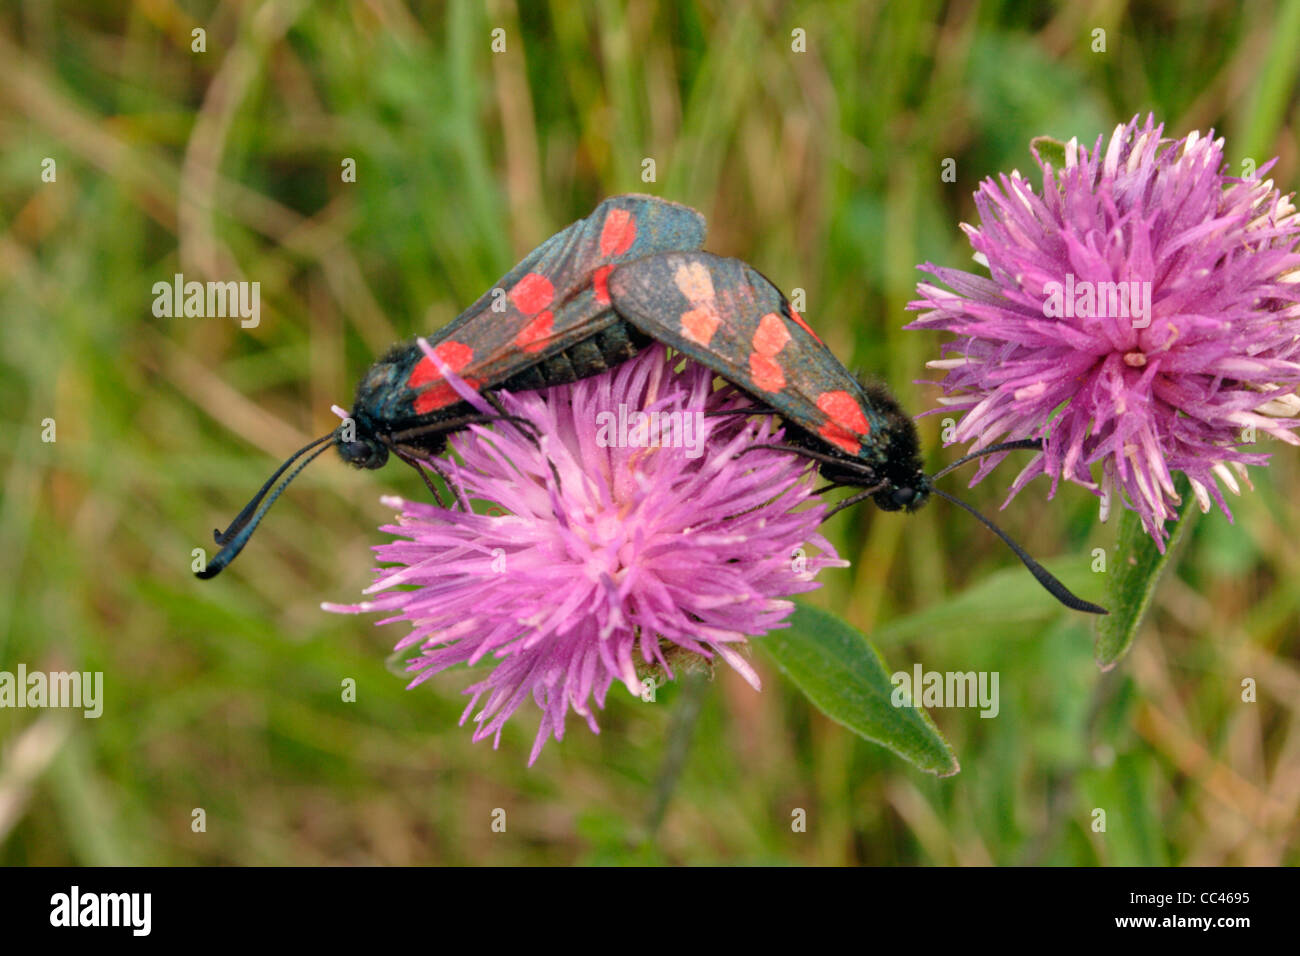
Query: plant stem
point(680, 732)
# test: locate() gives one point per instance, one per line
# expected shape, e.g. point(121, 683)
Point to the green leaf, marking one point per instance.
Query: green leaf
point(1008, 601)
point(837, 668)
point(1133, 577)
point(1048, 150)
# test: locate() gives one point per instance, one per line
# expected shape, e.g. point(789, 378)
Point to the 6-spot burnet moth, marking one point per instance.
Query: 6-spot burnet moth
point(546, 322)
point(726, 315)
point(592, 296)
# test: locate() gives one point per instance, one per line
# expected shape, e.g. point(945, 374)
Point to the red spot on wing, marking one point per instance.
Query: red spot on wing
point(769, 338)
point(600, 282)
point(422, 374)
point(455, 355)
point(532, 293)
point(799, 321)
point(618, 233)
point(440, 396)
point(694, 281)
point(535, 334)
point(698, 325)
point(846, 425)
point(766, 373)
point(843, 409)
point(771, 335)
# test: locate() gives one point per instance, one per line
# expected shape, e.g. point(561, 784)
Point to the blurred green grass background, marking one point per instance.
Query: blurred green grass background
point(823, 169)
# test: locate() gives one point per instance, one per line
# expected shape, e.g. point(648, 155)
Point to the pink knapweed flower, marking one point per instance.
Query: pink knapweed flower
point(1140, 314)
point(660, 544)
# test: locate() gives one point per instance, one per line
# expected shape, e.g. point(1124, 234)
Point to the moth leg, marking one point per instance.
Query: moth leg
point(495, 401)
point(424, 474)
point(417, 460)
point(853, 500)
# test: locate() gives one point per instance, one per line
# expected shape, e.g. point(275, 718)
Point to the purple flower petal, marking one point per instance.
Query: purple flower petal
point(1201, 351)
point(637, 560)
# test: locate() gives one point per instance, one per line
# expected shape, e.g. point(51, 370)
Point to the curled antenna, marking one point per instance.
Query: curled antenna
point(241, 519)
point(1044, 577)
point(242, 528)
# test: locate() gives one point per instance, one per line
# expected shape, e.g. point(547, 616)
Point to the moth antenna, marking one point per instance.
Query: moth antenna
point(1044, 577)
point(236, 543)
point(241, 519)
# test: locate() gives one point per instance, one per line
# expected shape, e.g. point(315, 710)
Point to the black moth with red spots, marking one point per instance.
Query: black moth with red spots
point(726, 315)
point(547, 321)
